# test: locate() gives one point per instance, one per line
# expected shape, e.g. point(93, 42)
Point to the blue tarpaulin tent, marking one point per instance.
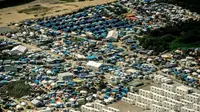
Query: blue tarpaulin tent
point(91, 57)
point(147, 0)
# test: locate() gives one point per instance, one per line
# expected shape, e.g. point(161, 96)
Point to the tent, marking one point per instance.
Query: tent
point(94, 64)
point(112, 35)
point(93, 57)
point(18, 50)
point(65, 76)
point(36, 103)
point(79, 56)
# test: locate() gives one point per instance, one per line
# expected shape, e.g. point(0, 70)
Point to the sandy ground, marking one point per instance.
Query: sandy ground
point(56, 7)
point(124, 107)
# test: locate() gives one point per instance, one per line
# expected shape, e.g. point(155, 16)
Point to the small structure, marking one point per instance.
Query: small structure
point(18, 50)
point(112, 36)
point(36, 103)
point(10, 68)
point(79, 56)
point(6, 62)
point(166, 56)
point(65, 76)
point(94, 64)
point(183, 90)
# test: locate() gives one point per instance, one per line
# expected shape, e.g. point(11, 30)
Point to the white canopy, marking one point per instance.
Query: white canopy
point(23, 103)
point(79, 56)
point(18, 50)
point(187, 71)
point(94, 64)
point(194, 74)
point(131, 70)
point(112, 34)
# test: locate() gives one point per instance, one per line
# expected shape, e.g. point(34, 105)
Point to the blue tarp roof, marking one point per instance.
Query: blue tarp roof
point(91, 57)
point(147, 0)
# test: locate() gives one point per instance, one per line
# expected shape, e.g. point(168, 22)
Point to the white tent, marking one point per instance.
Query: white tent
point(23, 103)
point(79, 56)
point(35, 102)
point(18, 50)
point(187, 71)
point(165, 70)
point(194, 74)
point(65, 76)
point(131, 70)
point(166, 56)
point(94, 64)
point(198, 70)
point(112, 34)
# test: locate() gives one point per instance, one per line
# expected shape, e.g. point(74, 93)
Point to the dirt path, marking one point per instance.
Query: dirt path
point(56, 7)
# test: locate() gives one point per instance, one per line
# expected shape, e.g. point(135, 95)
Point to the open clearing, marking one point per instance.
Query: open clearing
point(43, 8)
point(124, 107)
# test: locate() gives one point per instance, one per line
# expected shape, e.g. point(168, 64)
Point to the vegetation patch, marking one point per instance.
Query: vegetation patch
point(183, 35)
point(34, 9)
point(16, 89)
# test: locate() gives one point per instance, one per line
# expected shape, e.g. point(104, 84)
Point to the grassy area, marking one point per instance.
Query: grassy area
point(176, 45)
point(16, 89)
point(183, 35)
point(34, 9)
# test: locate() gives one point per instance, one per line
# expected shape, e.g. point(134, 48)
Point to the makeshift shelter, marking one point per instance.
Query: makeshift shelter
point(65, 76)
point(18, 50)
point(36, 103)
point(112, 35)
point(94, 64)
point(166, 56)
point(10, 68)
point(79, 56)
point(93, 57)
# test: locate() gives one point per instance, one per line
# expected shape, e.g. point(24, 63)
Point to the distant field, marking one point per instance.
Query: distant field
point(8, 3)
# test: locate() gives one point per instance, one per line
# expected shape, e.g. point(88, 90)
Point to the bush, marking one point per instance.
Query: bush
point(28, 107)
